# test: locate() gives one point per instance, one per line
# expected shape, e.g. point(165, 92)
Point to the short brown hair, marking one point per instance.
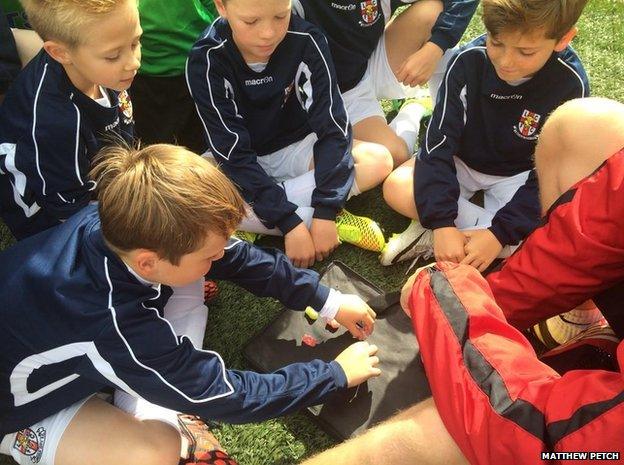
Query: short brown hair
point(163, 198)
point(64, 20)
point(557, 17)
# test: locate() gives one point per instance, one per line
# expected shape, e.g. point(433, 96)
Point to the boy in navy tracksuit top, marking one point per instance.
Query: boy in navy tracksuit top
point(66, 104)
point(497, 92)
point(374, 61)
point(266, 91)
point(87, 304)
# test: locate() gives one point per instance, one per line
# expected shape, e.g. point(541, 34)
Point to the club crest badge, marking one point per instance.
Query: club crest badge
point(30, 443)
point(369, 11)
point(528, 125)
point(125, 105)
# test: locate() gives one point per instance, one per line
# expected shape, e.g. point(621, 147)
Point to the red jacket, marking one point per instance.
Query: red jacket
point(501, 404)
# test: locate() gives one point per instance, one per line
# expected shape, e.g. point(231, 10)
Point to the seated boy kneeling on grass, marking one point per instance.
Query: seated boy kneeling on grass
point(85, 307)
point(496, 95)
point(265, 88)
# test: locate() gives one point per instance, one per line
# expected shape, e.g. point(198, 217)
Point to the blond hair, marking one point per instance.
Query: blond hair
point(556, 17)
point(64, 20)
point(163, 198)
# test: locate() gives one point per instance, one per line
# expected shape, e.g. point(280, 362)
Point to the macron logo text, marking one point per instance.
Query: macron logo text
point(343, 7)
point(259, 81)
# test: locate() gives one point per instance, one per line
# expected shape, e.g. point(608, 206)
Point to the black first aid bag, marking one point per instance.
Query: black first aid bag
point(402, 382)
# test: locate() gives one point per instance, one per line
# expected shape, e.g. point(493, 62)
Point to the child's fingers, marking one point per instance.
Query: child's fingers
point(402, 73)
point(469, 259)
point(365, 327)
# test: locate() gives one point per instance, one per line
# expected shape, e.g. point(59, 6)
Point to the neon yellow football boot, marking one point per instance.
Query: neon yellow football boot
point(359, 231)
point(246, 236)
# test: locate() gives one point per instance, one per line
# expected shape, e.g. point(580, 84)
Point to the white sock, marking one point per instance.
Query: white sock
point(406, 124)
point(252, 223)
point(187, 313)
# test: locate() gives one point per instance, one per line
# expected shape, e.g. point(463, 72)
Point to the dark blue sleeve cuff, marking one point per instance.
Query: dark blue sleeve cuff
point(439, 223)
point(340, 378)
point(289, 223)
point(320, 297)
point(325, 213)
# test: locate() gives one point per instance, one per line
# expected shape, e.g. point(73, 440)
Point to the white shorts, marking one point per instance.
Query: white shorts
point(497, 190)
point(291, 161)
point(379, 82)
point(38, 443)
point(287, 163)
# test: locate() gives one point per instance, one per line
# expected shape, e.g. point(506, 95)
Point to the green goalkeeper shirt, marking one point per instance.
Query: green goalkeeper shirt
point(170, 28)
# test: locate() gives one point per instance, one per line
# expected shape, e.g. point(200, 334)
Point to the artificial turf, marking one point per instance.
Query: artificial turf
point(235, 316)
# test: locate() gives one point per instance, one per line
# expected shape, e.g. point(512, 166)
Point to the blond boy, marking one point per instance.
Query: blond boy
point(92, 311)
point(69, 102)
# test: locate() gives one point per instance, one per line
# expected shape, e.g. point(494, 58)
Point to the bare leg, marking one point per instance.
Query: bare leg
point(375, 129)
point(373, 163)
point(575, 140)
point(101, 434)
point(408, 32)
point(416, 435)
point(398, 190)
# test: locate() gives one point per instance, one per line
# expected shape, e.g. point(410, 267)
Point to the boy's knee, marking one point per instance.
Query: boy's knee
point(396, 185)
point(379, 159)
point(594, 126)
point(159, 444)
point(398, 149)
point(425, 13)
point(579, 117)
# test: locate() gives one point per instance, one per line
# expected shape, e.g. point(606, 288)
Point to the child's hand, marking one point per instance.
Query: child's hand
point(418, 68)
point(359, 362)
point(325, 237)
point(448, 244)
point(481, 249)
point(299, 246)
point(355, 315)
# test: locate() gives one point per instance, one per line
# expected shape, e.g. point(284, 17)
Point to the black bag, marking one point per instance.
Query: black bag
point(402, 382)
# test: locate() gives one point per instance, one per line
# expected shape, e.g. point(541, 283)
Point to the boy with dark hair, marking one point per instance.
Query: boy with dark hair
point(66, 104)
point(498, 91)
point(89, 304)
